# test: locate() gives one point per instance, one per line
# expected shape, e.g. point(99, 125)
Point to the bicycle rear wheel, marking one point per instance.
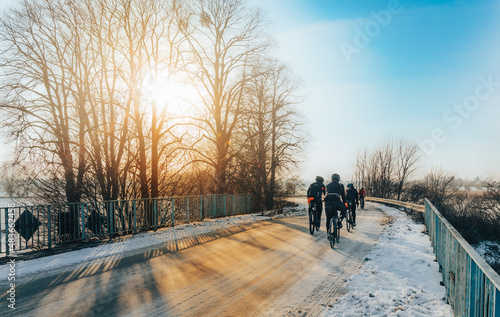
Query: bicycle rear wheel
point(312, 219)
point(331, 230)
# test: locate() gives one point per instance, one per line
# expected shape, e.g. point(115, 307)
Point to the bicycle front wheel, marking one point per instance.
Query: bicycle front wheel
point(337, 230)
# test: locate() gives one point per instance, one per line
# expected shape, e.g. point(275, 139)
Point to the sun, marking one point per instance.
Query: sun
point(171, 92)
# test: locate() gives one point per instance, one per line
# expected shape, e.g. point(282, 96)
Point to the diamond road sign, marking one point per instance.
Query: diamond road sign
point(27, 224)
point(96, 223)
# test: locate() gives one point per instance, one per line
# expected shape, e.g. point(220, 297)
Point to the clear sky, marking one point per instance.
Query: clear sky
point(371, 69)
point(425, 70)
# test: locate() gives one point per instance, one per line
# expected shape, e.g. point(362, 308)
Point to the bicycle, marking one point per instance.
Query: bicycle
point(333, 231)
point(313, 214)
point(362, 202)
point(349, 221)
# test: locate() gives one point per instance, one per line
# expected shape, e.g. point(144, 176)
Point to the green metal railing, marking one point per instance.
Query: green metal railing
point(46, 226)
point(472, 286)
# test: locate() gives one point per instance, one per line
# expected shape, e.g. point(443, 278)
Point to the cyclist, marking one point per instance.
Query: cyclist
point(362, 193)
point(352, 196)
point(335, 200)
point(315, 191)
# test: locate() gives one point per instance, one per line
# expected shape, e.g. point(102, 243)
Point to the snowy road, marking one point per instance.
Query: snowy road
point(271, 268)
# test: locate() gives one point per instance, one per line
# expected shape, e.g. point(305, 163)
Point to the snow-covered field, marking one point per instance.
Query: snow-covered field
point(490, 251)
point(399, 276)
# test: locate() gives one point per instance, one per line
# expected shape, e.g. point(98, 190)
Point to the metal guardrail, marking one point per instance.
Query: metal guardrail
point(45, 226)
point(396, 203)
point(472, 286)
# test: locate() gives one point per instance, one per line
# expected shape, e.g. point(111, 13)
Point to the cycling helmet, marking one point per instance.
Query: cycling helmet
point(320, 179)
point(350, 185)
point(336, 177)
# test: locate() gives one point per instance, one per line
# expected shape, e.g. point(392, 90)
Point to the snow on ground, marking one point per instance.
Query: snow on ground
point(136, 242)
point(399, 276)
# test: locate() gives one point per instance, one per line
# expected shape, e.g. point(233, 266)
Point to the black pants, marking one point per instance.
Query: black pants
point(354, 213)
point(319, 208)
point(331, 208)
point(353, 206)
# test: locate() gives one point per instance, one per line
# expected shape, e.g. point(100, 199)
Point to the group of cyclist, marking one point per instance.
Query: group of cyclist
point(336, 198)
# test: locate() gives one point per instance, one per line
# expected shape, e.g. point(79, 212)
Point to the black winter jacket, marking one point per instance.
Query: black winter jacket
point(352, 195)
point(316, 190)
point(334, 191)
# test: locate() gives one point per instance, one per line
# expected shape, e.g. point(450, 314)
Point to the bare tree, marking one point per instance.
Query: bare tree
point(109, 114)
point(76, 96)
point(360, 168)
point(378, 168)
point(226, 38)
point(385, 170)
point(45, 91)
point(407, 157)
point(438, 183)
point(272, 129)
point(163, 21)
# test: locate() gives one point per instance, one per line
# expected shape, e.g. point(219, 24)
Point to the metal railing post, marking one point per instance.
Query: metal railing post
point(155, 212)
point(49, 228)
point(173, 213)
point(224, 203)
point(213, 205)
point(201, 207)
point(113, 217)
point(187, 209)
point(82, 209)
point(134, 211)
point(7, 251)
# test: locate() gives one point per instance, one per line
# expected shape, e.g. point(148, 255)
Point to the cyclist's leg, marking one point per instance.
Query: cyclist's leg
point(319, 208)
point(335, 208)
point(343, 210)
point(354, 214)
point(329, 214)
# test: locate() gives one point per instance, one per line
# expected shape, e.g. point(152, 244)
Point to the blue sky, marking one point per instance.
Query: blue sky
point(428, 57)
point(420, 61)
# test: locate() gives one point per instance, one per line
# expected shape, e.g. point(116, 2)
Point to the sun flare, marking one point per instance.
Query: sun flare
point(170, 92)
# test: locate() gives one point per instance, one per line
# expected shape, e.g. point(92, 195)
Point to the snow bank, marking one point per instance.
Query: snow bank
point(399, 276)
